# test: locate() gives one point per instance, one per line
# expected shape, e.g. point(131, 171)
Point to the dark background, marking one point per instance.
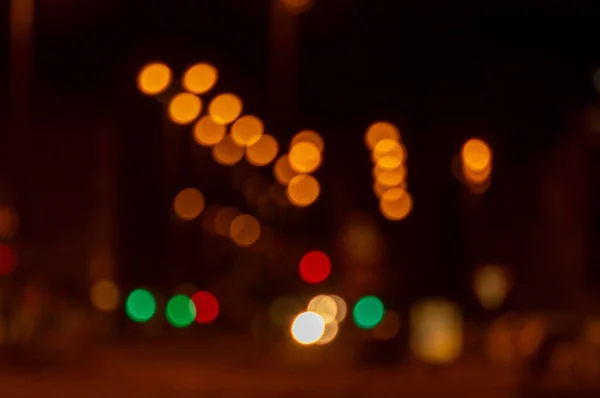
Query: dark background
point(518, 75)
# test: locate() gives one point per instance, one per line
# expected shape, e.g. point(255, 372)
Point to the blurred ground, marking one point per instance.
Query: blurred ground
point(190, 372)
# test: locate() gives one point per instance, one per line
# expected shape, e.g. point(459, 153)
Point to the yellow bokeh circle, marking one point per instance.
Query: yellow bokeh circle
point(305, 157)
point(200, 78)
point(104, 295)
point(227, 152)
point(476, 154)
point(225, 108)
point(263, 151)
point(184, 108)
point(188, 204)
point(207, 132)
point(303, 190)
point(247, 130)
point(395, 204)
point(154, 78)
point(244, 230)
point(379, 131)
point(308, 136)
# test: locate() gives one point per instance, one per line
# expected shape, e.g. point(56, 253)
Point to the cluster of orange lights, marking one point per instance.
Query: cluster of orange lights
point(295, 168)
point(388, 155)
point(474, 167)
point(231, 134)
point(243, 229)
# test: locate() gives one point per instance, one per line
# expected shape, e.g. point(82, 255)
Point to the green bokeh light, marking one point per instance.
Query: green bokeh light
point(140, 305)
point(368, 312)
point(181, 311)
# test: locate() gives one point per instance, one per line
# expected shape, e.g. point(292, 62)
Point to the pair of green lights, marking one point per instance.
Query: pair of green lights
point(141, 307)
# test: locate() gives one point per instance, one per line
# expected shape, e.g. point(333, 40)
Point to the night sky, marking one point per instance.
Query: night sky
point(441, 74)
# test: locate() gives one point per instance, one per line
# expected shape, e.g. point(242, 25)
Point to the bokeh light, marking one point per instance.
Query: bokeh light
point(389, 326)
point(391, 178)
point(207, 307)
point(360, 241)
point(207, 132)
point(314, 267)
point(9, 222)
point(379, 131)
point(303, 190)
point(263, 151)
point(223, 220)
point(395, 204)
point(140, 305)
point(247, 130)
point(491, 285)
point(200, 78)
point(104, 295)
point(341, 308)
point(307, 328)
point(308, 136)
point(283, 310)
point(184, 108)
point(297, 6)
point(154, 78)
point(225, 108)
point(180, 311)
point(388, 154)
point(476, 154)
point(476, 177)
point(8, 259)
point(283, 171)
point(304, 157)
point(368, 312)
point(436, 331)
point(325, 306)
point(390, 162)
point(226, 152)
point(188, 204)
point(379, 189)
point(330, 333)
point(244, 230)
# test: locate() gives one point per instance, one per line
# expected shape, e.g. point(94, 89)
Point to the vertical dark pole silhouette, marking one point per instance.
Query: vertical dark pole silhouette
point(283, 63)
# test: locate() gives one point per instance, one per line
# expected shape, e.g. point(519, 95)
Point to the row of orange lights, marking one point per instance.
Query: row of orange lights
point(224, 129)
point(388, 155)
point(246, 132)
point(243, 229)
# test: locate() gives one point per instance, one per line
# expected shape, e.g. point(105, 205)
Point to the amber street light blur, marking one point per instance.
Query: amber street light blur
point(475, 165)
point(388, 155)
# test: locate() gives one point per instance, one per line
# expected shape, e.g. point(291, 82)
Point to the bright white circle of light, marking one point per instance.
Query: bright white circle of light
point(307, 328)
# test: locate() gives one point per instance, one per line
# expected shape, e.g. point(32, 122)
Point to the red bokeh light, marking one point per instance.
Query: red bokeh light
point(207, 307)
point(8, 259)
point(315, 267)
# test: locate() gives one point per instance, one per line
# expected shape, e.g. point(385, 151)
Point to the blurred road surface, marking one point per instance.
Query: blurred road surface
point(152, 373)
